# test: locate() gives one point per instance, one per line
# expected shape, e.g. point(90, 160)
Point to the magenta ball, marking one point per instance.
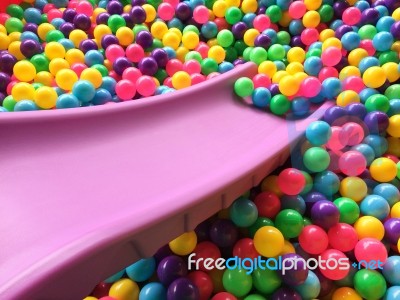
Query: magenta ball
point(369, 250)
point(352, 163)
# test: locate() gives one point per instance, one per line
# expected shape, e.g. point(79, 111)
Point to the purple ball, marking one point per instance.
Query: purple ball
point(263, 41)
point(395, 30)
point(325, 283)
point(138, 15)
point(357, 110)
point(370, 16)
point(341, 30)
point(377, 122)
point(30, 48)
point(274, 89)
point(392, 4)
point(66, 28)
point(171, 268)
point(183, 11)
point(148, 66)
point(69, 15)
point(5, 79)
point(128, 20)
point(87, 45)
point(392, 230)
point(82, 21)
point(202, 231)
point(160, 56)
point(162, 253)
point(138, 2)
point(298, 273)
point(285, 293)
point(261, 10)
point(102, 18)
point(183, 289)
point(7, 62)
point(144, 39)
point(238, 30)
point(378, 3)
point(325, 214)
point(108, 40)
point(32, 27)
point(238, 61)
point(339, 7)
point(121, 64)
point(223, 233)
point(296, 41)
point(2, 97)
point(115, 8)
point(335, 113)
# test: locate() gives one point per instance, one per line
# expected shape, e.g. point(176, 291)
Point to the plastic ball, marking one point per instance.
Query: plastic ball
point(352, 163)
point(153, 291)
point(181, 80)
point(383, 169)
point(244, 87)
point(332, 270)
point(313, 239)
point(289, 222)
point(205, 250)
point(316, 159)
point(266, 281)
point(223, 233)
point(244, 248)
point(354, 188)
point(171, 268)
point(203, 282)
point(237, 282)
point(141, 270)
point(261, 97)
point(370, 253)
point(376, 206)
point(182, 288)
point(325, 214)
point(369, 227)
point(387, 191)
point(25, 105)
point(45, 97)
point(124, 289)
point(391, 270)
point(394, 128)
point(331, 56)
point(374, 77)
point(268, 204)
point(342, 237)
point(291, 181)
point(125, 89)
point(24, 71)
point(370, 284)
point(223, 296)
point(23, 91)
point(243, 212)
point(311, 288)
point(318, 133)
point(345, 293)
point(392, 293)
point(310, 87)
point(184, 244)
point(294, 270)
point(268, 241)
point(327, 183)
point(67, 101)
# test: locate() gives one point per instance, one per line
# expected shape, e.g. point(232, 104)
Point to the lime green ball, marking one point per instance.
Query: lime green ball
point(258, 55)
point(309, 183)
point(102, 69)
point(225, 38)
point(348, 209)
point(367, 32)
point(237, 282)
point(14, 25)
point(37, 85)
point(276, 52)
point(289, 222)
point(314, 52)
point(138, 28)
point(246, 53)
point(191, 28)
point(370, 284)
point(326, 13)
point(54, 36)
point(279, 105)
point(377, 102)
point(193, 55)
point(244, 87)
point(15, 11)
point(115, 22)
point(209, 66)
point(44, 19)
point(316, 159)
point(40, 62)
point(393, 91)
point(209, 3)
point(233, 15)
point(9, 103)
point(283, 38)
point(260, 222)
point(274, 13)
point(154, 3)
point(231, 54)
point(266, 281)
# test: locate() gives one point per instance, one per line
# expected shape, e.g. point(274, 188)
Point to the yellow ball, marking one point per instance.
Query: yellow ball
point(396, 47)
point(92, 75)
point(44, 78)
point(369, 227)
point(100, 31)
point(289, 85)
point(171, 39)
point(279, 75)
point(249, 6)
point(176, 31)
point(66, 79)
point(250, 36)
point(356, 55)
point(285, 19)
point(190, 40)
point(311, 19)
point(14, 36)
point(393, 146)
point(332, 42)
point(394, 126)
point(287, 248)
point(233, 3)
point(270, 184)
point(374, 77)
point(125, 36)
point(212, 42)
point(383, 169)
point(15, 49)
point(24, 71)
point(151, 13)
point(184, 244)
point(4, 41)
point(396, 14)
point(44, 29)
point(347, 97)
point(217, 53)
point(326, 34)
point(58, 64)
point(90, 298)
point(269, 241)
point(181, 80)
point(300, 76)
point(354, 188)
point(312, 4)
point(45, 97)
point(158, 29)
point(3, 29)
point(181, 53)
point(54, 50)
point(267, 68)
point(77, 36)
point(395, 210)
point(97, 11)
point(219, 8)
point(74, 56)
point(124, 289)
point(23, 91)
point(345, 293)
point(391, 71)
point(296, 54)
point(349, 71)
point(294, 68)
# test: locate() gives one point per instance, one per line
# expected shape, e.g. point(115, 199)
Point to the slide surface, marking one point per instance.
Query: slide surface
point(87, 191)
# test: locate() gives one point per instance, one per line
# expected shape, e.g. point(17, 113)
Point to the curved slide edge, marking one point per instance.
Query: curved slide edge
point(88, 191)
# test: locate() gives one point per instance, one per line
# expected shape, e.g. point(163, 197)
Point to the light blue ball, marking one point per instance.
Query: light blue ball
point(261, 97)
point(327, 183)
point(67, 101)
point(142, 269)
point(389, 192)
point(310, 288)
point(318, 133)
point(93, 57)
point(366, 151)
point(101, 97)
point(376, 206)
point(382, 41)
point(153, 291)
point(391, 270)
point(84, 90)
point(378, 143)
point(25, 105)
point(115, 277)
point(392, 293)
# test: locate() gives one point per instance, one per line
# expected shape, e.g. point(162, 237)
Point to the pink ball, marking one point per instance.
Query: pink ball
point(334, 269)
point(84, 7)
point(353, 83)
point(114, 75)
point(355, 133)
point(192, 66)
point(134, 53)
point(297, 9)
point(174, 65)
point(197, 78)
point(166, 11)
point(370, 249)
point(174, 3)
point(48, 7)
point(338, 139)
point(261, 22)
point(125, 89)
point(132, 74)
point(203, 48)
point(327, 72)
point(146, 86)
point(351, 16)
point(261, 80)
point(309, 36)
point(73, 4)
point(310, 87)
point(291, 181)
point(342, 237)
point(168, 82)
point(368, 46)
point(331, 56)
point(113, 52)
point(201, 14)
point(78, 68)
point(53, 14)
point(352, 163)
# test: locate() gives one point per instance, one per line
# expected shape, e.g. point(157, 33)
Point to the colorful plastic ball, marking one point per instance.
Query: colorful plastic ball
point(261, 97)
point(374, 77)
point(203, 282)
point(391, 270)
point(338, 139)
point(291, 181)
point(294, 270)
point(45, 97)
point(394, 128)
point(327, 183)
point(244, 248)
point(23, 91)
point(311, 288)
point(146, 86)
point(125, 89)
point(325, 214)
point(345, 293)
point(244, 87)
point(316, 159)
point(25, 105)
point(370, 253)
point(318, 133)
point(243, 212)
point(342, 237)
point(333, 269)
point(223, 233)
point(141, 270)
point(331, 56)
point(369, 227)
point(153, 291)
point(182, 288)
point(310, 87)
point(392, 230)
point(268, 204)
point(383, 169)
point(313, 239)
point(289, 222)
point(376, 206)
point(289, 85)
point(370, 284)
point(268, 241)
point(205, 250)
point(389, 192)
point(237, 282)
point(266, 281)
point(181, 80)
point(279, 105)
point(124, 289)
point(285, 293)
point(392, 293)
point(66, 79)
point(24, 71)
point(223, 296)
point(354, 188)
point(352, 163)
point(171, 268)
point(67, 101)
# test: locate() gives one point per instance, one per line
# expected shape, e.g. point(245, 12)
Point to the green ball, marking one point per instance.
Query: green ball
point(348, 209)
point(243, 212)
point(367, 32)
point(348, 280)
point(244, 87)
point(161, 75)
point(225, 38)
point(307, 221)
point(189, 28)
point(40, 62)
point(254, 297)
point(101, 68)
point(276, 52)
point(44, 19)
point(279, 105)
point(283, 38)
point(193, 55)
point(316, 159)
point(154, 3)
point(246, 53)
point(370, 284)
point(233, 15)
point(138, 28)
point(14, 25)
point(314, 52)
point(258, 55)
point(260, 222)
point(115, 22)
point(377, 102)
point(289, 222)
point(237, 282)
point(326, 13)
point(230, 54)
point(9, 103)
point(388, 56)
point(209, 66)
point(54, 36)
point(274, 13)
point(266, 281)
point(309, 183)
point(37, 85)
point(240, 46)
point(393, 91)
point(15, 11)
point(209, 3)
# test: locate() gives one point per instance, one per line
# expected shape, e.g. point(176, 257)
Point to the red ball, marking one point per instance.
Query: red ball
point(342, 237)
point(205, 250)
point(203, 282)
point(244, 248)
point(223, 296)
point(101, 290)
point(268, 204)
point(291, 181)
point(313, 239)
point(335, 266)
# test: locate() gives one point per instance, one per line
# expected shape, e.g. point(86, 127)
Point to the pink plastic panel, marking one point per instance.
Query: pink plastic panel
point(87, 191)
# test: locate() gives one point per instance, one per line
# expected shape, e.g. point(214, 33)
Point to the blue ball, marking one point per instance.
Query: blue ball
point(84, 90)
point(383, 11)
point(225, 67)
point(33, 15)
point(243, 212)
point(67, 44)
point(270, 33)
point(209, 30)
point(376, 206)
point(350, 40)
point(316, 45)
point(394, 107)
point(109, 84)
point(336, 24)
point(93, 57)
point(175, 23)
point(296, 27)
point(25, 105)
point(313, 65)
point(310, 288)
point(391, 270)
point(60, 3)
point(101, 97)
point(368, 62)
point(153, 291)
point(296, 203)
point(366, 151)
point(248, 19)
point(392, 293)
point(280, 65)
point(170, 52)
point(331, 87)
point(327, 183)
point(29, 35)
point(57, 22)
point(389, 192)
point(261, 97)
point(115, 277)
point(3, 109)
point(366, 93)
point(160, 89)
point(318, 133)
point(141, 270)
point(382, 41)
point(67, 101)
point(362, 5)
point(40, 4)
point(378, 143)
point(385, 23)
point(300, 106)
